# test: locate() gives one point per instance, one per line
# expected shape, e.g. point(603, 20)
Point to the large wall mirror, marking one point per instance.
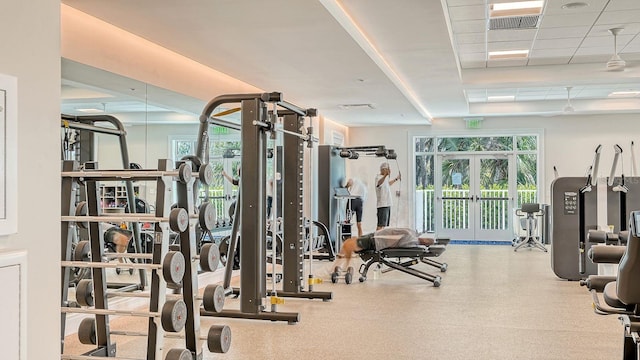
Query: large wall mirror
point(159, 124)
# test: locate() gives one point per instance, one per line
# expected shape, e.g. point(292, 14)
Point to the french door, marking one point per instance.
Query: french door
point(475, 196)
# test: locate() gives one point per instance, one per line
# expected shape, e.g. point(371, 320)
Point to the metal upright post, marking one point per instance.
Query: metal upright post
point(190, 279)
point(105, 347)
point(253, 238)
point(158, 291)
point(293, 213)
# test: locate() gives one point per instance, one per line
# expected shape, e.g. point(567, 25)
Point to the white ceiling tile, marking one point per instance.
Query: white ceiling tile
point(556, 60)
point(473, 64)
point(470, 38)
point(554, 7)
point(511, 35)
point(623, 5)
point(469, 26)
point(501, 92)
point(619, 17)
point(604, 41)
point(505, 63)
point(479, 56)
point(562, 32)
point(461, 13)
point(508, 45)
point(545, 53)
point(568, 20)
point(465, 2)
point(557, 43)
point(471, 48)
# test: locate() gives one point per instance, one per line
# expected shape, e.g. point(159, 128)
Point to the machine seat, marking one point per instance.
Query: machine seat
point(610, 297)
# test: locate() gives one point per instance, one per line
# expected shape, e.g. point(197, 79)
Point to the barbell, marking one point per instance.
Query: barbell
point(173, 317)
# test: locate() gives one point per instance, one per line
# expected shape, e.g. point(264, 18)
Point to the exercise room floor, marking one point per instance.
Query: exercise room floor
point(492, 304)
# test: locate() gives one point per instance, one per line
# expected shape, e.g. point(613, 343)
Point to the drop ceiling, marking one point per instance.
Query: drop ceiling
point(398, 58)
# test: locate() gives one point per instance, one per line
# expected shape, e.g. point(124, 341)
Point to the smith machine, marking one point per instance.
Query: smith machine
point(250, 212)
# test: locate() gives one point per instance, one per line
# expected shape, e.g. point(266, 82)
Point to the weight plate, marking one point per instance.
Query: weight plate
point(178, 219)
point(173, 267)
point(209, 257)
point(213, 298)
point(206, 174)
point(224, 249)
point(82, 250)
point(174, 315)
point(184, 173)
point(84, 292)
point(207, 216)
point(81, 210)
point(348, 277)
point(351, 270)
point(87, 331)
point(219, 339)
point(179, 354)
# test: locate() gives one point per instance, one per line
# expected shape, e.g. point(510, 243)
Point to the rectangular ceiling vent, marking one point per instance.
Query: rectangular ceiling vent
point(355, 106)
point(514, 22)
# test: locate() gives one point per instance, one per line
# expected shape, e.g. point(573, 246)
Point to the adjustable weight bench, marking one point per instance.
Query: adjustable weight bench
point(405, 259)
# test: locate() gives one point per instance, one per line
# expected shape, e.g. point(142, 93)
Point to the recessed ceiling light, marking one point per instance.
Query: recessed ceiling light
point(90, 110)
point(518, 8)
point(501, 98)
point(508, 54)
point(624, 93)
point(574, 5)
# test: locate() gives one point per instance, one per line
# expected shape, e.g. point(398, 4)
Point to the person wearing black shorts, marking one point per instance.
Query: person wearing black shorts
point(359, 192)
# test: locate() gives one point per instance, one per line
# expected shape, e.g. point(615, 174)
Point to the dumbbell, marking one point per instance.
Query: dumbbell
point(178, 218)
point(184, 174)
point(173, 266)
point(212, 298)
point(218, 337)
point(209, 256)
point(173, 317)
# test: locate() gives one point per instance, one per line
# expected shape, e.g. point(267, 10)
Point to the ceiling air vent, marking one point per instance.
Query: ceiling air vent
point(355, 106)
point(514, 22)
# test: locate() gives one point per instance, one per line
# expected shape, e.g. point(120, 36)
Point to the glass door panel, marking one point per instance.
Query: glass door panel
point(455, 199)
point(494, 198)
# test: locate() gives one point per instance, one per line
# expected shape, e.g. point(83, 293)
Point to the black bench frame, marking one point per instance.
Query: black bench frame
point(415, 256)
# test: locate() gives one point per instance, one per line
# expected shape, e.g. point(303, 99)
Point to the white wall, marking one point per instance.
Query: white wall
point(31, 52)
point(569, 144)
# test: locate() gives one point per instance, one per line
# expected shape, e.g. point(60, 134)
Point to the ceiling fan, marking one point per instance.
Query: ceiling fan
point(615, 63)
point(568, 108)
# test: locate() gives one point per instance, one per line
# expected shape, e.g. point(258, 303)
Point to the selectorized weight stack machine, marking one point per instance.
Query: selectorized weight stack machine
point(574, 206)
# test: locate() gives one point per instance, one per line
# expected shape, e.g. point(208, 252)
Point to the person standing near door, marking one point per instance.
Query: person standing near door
point(383, 195)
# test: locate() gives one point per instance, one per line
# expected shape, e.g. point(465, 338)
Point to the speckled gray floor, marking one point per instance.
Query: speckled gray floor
point(493, 304)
